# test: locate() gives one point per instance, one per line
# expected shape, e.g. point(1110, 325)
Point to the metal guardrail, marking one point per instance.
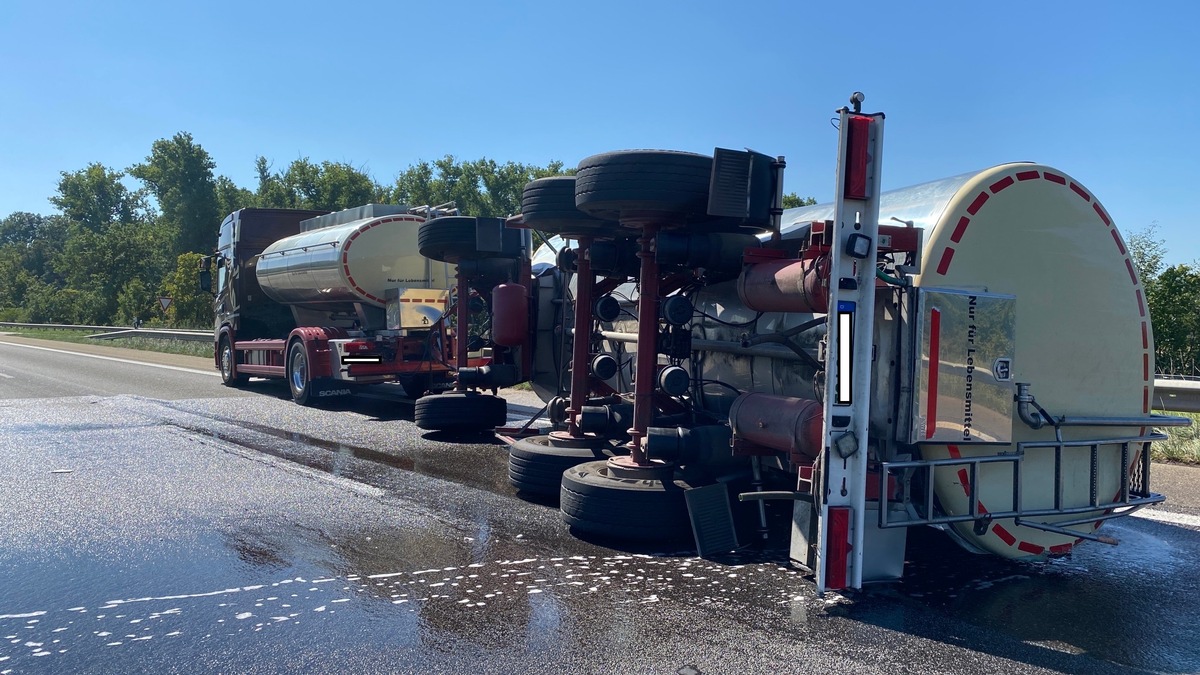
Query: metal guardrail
point(114, 332)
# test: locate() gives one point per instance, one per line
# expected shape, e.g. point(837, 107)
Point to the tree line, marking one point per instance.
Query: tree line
point(1173, 294)
point(124, 238)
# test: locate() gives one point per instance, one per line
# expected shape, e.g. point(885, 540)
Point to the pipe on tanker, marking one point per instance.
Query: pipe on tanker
point(786, 286)
point(783, 423)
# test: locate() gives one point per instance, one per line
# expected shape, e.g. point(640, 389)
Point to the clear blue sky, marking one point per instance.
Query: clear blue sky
point(1105, 91)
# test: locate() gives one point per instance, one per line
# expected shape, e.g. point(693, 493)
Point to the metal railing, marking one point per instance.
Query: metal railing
point(114, 332)
point(1133, 493)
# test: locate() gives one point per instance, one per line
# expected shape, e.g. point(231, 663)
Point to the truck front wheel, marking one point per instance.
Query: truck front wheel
point(297, 373)
point(229, 375)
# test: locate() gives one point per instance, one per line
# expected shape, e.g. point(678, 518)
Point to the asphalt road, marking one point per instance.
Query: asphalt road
point(155, 520)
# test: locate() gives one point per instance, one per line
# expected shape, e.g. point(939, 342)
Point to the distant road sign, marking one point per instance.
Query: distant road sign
point(165, 302)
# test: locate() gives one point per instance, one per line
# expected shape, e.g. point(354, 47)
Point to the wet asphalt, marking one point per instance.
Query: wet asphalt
point(222, 531)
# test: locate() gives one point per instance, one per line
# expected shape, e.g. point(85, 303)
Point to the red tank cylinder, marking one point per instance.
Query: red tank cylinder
point(510, 315)
point(783, 423)
point(786, 286)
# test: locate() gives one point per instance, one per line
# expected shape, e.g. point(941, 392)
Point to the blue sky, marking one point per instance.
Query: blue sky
point(1105, 91)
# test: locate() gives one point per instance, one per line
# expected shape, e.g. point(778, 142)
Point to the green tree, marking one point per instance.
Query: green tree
point(328, 186)
point(482, 187)
point(1175, 314)
point(190, 307)
point(230, 198)
point(792, 200)
point(1147, 251)
point(179, 172)
point(95, 197)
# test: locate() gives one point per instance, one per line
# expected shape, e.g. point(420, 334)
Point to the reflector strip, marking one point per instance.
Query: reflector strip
point(1030, 548)
point(980, 200)
point(1004, 534)
point(1117, 238)
point(1081, 192)
point(1028, 175)
point(959, 229)
point(1054, 178)
point(837, 547)
point(935, 345)
point(857, 157)
point(1103, 216)
point(1001, 184)
point(944, 263)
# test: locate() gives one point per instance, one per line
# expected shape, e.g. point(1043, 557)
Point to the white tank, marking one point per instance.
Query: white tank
point(355, 262)
point(1083, 335)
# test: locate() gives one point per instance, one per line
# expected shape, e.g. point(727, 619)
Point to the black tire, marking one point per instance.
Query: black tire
point(613, 184)
point(228, 364)
point(452, 238)
point(299, 380)
point(548, 205)
point(415, 386)
point(460, 411)
point(535, 466)
point(634, 510)
point(305, 389)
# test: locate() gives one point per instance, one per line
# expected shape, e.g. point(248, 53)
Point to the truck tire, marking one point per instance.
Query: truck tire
point(466, 411)
point(229, 375)
point(595, 503)
point(536, 466)
point(613, 184)
point(548, 205)
point(307, 390)
point(452, 238)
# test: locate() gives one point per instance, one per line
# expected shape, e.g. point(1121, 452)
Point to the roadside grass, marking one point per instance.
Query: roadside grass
point(187, 348)
point(1182, 444)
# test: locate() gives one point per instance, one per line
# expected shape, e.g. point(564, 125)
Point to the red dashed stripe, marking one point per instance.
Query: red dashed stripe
point(1001, 184)
point(959, 229)
point(1028, 175)
point(1103, 216)
point(1004, 534)
point(980, 200)
point(1141, 303)
point(965, 480)
point(1129, 268)
point(944, 263)
point(1145, 336)
point(1030, 548)
point(1081, 192)
point(1145, 366)
point(1117, 238)
point(1054, 178)
point(1061, 549)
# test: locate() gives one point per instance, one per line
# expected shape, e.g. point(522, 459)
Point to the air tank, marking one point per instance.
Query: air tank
point(354, 262)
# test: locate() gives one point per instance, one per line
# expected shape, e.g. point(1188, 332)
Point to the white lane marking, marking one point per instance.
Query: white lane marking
point(211, 373)
point(6, 376)
point(1168, 517)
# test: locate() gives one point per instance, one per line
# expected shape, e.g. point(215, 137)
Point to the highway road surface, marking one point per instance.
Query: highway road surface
point(156, 521)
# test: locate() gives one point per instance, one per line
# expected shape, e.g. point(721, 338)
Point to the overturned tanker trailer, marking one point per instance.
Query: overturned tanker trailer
point(973, 354)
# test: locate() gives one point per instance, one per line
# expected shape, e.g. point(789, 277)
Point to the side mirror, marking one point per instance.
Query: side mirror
point(206, 263)
point(206, 280)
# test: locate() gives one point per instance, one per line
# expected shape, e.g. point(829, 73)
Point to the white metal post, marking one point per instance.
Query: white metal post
point(848, 358)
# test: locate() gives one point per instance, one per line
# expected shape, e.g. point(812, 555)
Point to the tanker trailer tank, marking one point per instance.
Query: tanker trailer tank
point(332, 269)
point(1022, 260)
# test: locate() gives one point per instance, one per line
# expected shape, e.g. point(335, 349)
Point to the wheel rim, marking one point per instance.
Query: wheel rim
point(227, 362)
point(298, 369)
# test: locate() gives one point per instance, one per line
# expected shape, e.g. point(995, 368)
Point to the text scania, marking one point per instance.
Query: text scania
point(971, 332)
